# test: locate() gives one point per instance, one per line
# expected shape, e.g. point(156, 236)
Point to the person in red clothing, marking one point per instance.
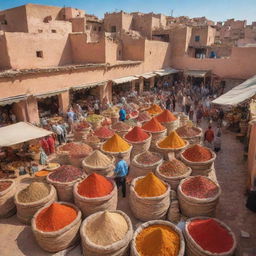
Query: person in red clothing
point(209, 135)
point(45, 145)
point(51, 144)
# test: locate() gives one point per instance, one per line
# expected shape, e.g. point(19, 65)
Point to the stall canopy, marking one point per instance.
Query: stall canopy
point(50, 94)
point(238, 94)
point(147, 75)
point(196, 73)
point(10, 100)
point(87, 86)
point(167, 71)
point(20, 132)
point(124, 79)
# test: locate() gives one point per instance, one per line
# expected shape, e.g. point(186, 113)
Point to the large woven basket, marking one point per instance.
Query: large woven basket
point(156, 136)
point(58, 240)
point(166, 151)
point(7, 205)
point(193, 207)
point(134, 251)
point(26, 211)
point(119, 248)
point(171, 126)
point(89, 206)
point(197, 139)
point(193, 249)
point(149, 208)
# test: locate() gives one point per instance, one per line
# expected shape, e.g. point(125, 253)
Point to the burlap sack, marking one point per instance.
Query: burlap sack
point(57, 240)
point(171, 126)
point(193, 249)
point(89, 206)
point(134, 251)
point(119, 248)
point(26, 211)
point(137, 169)
point(62, 156)
point(192, 207)
point(7, 205)
point(195, 139)
point(149, 208)
point(155, 137)
point(174, 212)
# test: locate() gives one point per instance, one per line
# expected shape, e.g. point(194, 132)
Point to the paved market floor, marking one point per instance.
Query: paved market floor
point(17, 239)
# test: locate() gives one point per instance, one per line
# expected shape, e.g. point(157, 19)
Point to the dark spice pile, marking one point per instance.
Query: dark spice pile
point(148, 158)
point(66, 173)
point(199, 187)
point(4, 185)
point(188, 131)
point(173, 168)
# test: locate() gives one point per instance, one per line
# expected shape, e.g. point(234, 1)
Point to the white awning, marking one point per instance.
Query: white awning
point(87, 86)
point(147, 75)
point(167, 71)
point(20, 132)
point(124, 79)
point(10, 100)
point(196, 73)
point(238, 94)
point(50, 94)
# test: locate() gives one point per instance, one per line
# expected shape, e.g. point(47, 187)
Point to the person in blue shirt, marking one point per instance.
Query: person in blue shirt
point(122, 114)
point(121, 172)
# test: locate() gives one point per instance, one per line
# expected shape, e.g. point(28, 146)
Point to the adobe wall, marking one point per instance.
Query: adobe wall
point(113, 19)
point(111, 51)
point(206, 34)
point(240, 65)
point(143, 23)
point(16, 20)
point(22, 49)
point(4, 58)
point(78, 25)
point(84, 51)
point(127, 21)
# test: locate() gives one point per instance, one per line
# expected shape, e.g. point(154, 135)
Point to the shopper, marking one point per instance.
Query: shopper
point(122, 114)
point(121, 172)
point(209, 136)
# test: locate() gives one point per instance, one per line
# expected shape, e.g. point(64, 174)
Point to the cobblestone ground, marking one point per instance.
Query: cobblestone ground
point(17, 239)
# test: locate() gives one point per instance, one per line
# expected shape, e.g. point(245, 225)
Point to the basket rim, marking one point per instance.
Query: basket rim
point(115, 153)
point(134, 161)
point(112, 158)
point(4, 192)
point(188, 172)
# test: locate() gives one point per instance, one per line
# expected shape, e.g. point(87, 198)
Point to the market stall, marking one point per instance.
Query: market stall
point(164, 76)
point(123, 85)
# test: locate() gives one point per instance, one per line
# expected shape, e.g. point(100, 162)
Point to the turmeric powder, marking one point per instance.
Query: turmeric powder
point(172, 141)
point(154, 109)
point(150, 186)
point(158, 240)
point(116, 144)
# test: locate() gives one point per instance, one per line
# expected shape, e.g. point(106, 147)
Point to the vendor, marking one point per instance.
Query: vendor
point(121, 172)
point(122, 114)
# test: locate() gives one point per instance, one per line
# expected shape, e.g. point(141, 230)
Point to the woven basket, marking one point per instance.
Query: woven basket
point(7, 205)
point(104, 171)
point(62, 156)
point(193, 249)
point(172, 181)
point(166, 151)
point(119, 248)
point(192, 207)
point(89, 206)
point(149, 208)
point(134, 251)
point(171, 126)
point(195, 139)
point(26, 211)
point(64, 189)
point(57, 240)
point(199, 168)
point(139, 147)
point(138, 169)
point(126, 154)
point(79, 135)
point(156, 136)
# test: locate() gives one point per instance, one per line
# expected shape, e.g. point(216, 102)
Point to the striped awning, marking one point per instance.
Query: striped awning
point(14, 99)
point(49, 94)
point(87, 86)
point(124, 79)
point(167, 71)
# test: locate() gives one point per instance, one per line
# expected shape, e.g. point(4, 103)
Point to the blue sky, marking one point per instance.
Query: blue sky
point(217, 10)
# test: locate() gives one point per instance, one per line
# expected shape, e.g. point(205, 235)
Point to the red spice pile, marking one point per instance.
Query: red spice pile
point(104, 132)
point(143, 116)
point(197, 153)
point(166, 116)
point(136, 135)
point(66, 173)
point(210, 235)
point(199, 187)
point(153, 126)
point(55, 217)
point(121, 126)
point(95, 185)
point(4, 185)
point(77, 150)
point(81, 126)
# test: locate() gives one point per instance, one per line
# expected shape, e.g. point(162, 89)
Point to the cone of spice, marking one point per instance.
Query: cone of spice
point(197, 153)
point(210, 235)
point(116, 144)
point(136, 135)
point(76, 150)
point(153, 126)
point(98, 160)
point(154, 109)
point(104, 132)
point(172, 141)
point(143, 116)
point(166, 116)
point(150, 186)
